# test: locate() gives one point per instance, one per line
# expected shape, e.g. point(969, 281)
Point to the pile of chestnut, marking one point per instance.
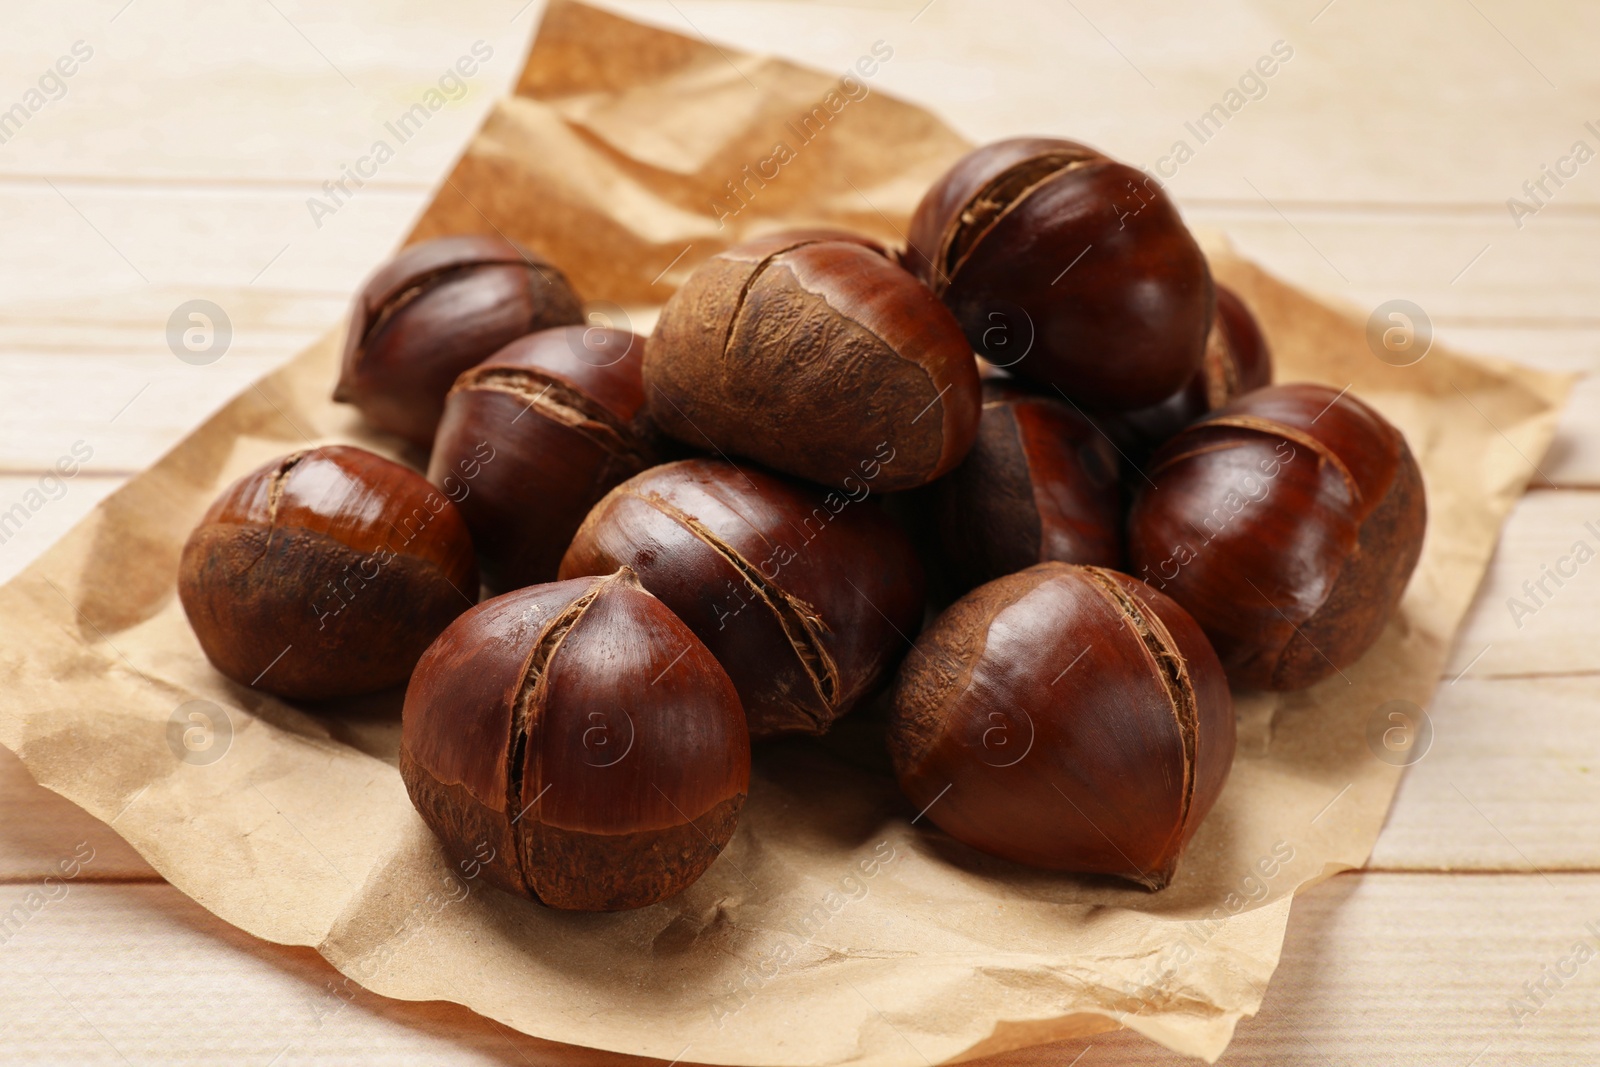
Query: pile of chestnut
point(734, 530)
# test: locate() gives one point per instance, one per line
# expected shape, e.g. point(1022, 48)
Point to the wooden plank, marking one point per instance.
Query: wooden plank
point(49, 506)
point(1358, 114)
point(1574, 457)
point(87, 240)
point(1160, 68)
point(1523, 621)
point(1377, 968)
point(289, 88)
point(1512, 769)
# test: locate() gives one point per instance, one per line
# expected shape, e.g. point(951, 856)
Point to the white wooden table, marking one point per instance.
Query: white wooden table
point(175, 163)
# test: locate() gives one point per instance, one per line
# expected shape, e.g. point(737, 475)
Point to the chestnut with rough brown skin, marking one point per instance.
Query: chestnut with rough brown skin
point(325, 573)
point(1237, 360)
point(1067, 268)
point(806, 597)
point(1065, 717)
point(577, 744)
point(1040, 484)
point(1287, 523)
point(533, 437)
point(816, 356)
point(435, 310)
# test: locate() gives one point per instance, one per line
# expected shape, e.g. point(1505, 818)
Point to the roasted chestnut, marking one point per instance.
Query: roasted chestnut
point(1237, 360)
point(577, 745)
point(817, 356)
point(807, 598)
point(1067, 268)
point(1287, 523)
point(1065, 717)
point(433, 311)
point(325, 573)
point(1040, 484)
point(533, 437)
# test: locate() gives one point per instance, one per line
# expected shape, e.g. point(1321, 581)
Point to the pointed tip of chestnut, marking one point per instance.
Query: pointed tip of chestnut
point(1065, 717)
point(576, 744)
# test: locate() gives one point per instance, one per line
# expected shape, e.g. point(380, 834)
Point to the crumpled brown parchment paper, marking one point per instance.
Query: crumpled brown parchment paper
point(832, 930)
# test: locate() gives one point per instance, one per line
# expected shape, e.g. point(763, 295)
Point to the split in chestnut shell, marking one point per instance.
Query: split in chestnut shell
point(807, 596)
point(577, 744)
point(1287, 523)
point(534, 436)
point(1067, 268)
point(1069, 718)
point(435, 310)
point(325, 573)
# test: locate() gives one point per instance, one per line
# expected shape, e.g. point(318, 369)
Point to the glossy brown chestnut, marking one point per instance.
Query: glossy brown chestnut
point(1065, 717)
point(802, 595)
point(816, 356)
point(533, 437)
point(1040, 484)
point(1067, 268)
point(435, 310)
point(576, 744)
point(325, 573)
point(1237, 360)
point(1287, 523)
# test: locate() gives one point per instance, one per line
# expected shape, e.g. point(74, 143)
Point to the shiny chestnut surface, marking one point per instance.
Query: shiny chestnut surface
point(1237, 360)
point(1067, 268)
point(1287, 523)
point(1070, 718)
point(802, 594)
point(325, 573)
point(579, 743)
point(433, 311)
point(815, 356)
point(533, 437)
point(1040, 484)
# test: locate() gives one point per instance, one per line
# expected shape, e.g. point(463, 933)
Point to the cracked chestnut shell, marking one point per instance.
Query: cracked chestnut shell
point(578, 744)
point(1068, 268)
point(815, 355)
point(1287, 523)
point(436, 309)
point(1040, 484)
point(1065, 717)
point(803, 595)
point(533, 437)
point(325, 573)
point(1237, 360)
